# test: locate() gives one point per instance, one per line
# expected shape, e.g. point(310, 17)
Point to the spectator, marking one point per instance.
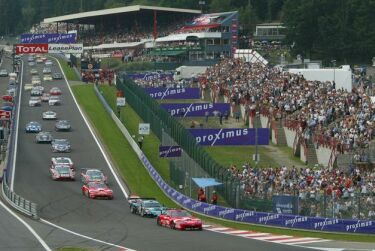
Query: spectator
point(140, 141)
point(214, 198)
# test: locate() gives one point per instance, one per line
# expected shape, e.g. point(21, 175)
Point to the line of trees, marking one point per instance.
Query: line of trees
point(330, 29)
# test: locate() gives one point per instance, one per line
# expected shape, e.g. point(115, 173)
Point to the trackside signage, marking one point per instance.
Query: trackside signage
point(48, 38)
point(49, 48)
point(31, 48)
point(270, 219)
point(173, 93)
point(195, 109)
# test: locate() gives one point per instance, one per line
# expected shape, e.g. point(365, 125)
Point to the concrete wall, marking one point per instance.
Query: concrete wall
point(323, 154)
point(290, 136)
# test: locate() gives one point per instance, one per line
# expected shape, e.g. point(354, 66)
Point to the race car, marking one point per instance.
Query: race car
point(43, 137)
point(93, 175)
point(178, 219)
point(60, 172)
point(134, 201)
point(31, 63)
point(62, 125)
point(48, 63)
point(45, 97)
point(49, 115)
point(57, 76)
point(28, 87)
point(33, 71)
point(35, 80)
point(36, 92)
point(39, 60)
point(47, 70)
point(54, 100)
point(3, 73)
point(47, 77)
point(60, 145)
point(62, 161)
point(33, 126)
point(95, 190)
point(150, 208)
point(55, 91)
point(35, 101)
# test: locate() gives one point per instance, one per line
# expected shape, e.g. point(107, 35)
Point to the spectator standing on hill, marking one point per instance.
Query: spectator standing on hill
point(140, 141)
point(214, 198)
point(221, 118)
point(206, 114)
point(200, 193)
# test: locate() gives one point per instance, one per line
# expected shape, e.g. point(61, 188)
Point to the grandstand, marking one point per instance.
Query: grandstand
point(157, 34)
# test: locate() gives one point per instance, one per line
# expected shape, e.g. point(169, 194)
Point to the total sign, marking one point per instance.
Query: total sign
point(31, 48)
point(49, 48)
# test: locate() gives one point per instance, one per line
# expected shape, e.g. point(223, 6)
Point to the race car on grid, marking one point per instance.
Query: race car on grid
point(61, 172)
point(66, 161)
point(45, 97)
point(178, 219)
point(62, 125)
point(49, 115)
point(93, 175)
point(33, 126)
point(134, 201)
point(43, 137)
point(35, 101)
point(60, 146)
point(147, 207)
point(95, 190)
point(55, 91)
point(54, 100)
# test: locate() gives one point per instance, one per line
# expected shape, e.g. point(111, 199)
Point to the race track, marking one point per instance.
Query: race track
point(62, 203)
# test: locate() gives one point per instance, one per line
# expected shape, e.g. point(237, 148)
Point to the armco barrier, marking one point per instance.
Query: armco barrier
point(24, 206)
point(240, 215)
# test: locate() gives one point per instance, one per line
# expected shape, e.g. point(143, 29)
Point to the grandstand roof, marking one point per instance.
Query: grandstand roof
point(92, 14)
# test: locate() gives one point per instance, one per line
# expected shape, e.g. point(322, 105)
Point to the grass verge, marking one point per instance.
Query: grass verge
point(139, 180)
point(69, 72)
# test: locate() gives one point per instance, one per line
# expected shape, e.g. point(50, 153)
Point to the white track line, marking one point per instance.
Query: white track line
point(93, 134)
point(296, 239)
point(236, 232)
point(16, 133)
point(32, 231)
point(85, 236)
point(218, 229)
point(272, 237)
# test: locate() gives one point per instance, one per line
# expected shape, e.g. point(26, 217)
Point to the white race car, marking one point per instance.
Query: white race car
point(62, 161)
point(36, 91)
point(35, 101)
point(36, 80)
point(49, 115)
point(54, 100)
point(28, 87)
point(47, 77)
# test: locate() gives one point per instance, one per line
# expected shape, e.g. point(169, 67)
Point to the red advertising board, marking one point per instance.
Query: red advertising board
point(31, 48)
point(4, 115)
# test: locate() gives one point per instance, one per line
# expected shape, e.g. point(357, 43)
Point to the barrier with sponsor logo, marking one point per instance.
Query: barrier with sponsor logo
point(49, 48)
point(68, 38)
point(231, 136)
point(241, 215)
point(169, 151)
point(173, 93)
point(151, 76)
point(195, 110)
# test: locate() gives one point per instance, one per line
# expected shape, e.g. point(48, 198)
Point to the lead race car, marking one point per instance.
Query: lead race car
point(178, 219)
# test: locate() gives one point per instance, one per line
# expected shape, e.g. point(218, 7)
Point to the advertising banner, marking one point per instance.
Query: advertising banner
point(144, 128)
point(65, 48)
point(230, 136)
point(195, 110)
point(273, 219)
point(54, 38)
point(31, 48)
point(149, 76)
point(285, 204)
point(169, 151)
point(173, 93)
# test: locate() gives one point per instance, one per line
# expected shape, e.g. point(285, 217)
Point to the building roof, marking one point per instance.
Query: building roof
point(97, 13)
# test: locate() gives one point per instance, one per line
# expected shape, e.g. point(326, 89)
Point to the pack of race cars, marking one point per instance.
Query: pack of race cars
point(168, 217)
point(94, 182)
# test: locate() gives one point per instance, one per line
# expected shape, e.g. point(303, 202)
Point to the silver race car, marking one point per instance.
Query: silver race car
point(35, 101)
point(43, 137)
point(62, 125)
point(60, 145)
point(49, 115)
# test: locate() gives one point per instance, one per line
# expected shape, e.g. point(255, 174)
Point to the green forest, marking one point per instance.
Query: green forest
point(340, 29)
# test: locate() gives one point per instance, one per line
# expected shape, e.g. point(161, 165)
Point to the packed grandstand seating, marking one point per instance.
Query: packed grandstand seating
point(315, 188)
point(334, 116)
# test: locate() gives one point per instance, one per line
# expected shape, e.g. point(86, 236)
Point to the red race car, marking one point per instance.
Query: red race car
point(178, 219)
point(95, 190)
point(55, 91)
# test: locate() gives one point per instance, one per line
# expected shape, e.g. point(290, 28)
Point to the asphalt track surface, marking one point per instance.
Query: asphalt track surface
point(62, 203)
point(13, 234)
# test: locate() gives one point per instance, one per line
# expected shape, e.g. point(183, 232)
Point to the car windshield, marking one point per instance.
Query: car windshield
point(61, 141)
point(97, 185)
point(64, 169)
point(94, 174)
point(179, 214)
point(151, 204)
point(62, 161)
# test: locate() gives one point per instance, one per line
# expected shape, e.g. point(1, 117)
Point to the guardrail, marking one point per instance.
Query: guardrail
point(19, 203)
point(241, 215)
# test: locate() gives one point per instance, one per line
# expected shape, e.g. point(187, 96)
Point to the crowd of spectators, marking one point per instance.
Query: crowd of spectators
point(344, 193)
point(319, 108)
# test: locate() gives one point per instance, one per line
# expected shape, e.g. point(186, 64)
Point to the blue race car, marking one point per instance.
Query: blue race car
point(33, 126)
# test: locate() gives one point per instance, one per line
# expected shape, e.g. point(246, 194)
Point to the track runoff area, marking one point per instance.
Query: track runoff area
point(62, 205)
